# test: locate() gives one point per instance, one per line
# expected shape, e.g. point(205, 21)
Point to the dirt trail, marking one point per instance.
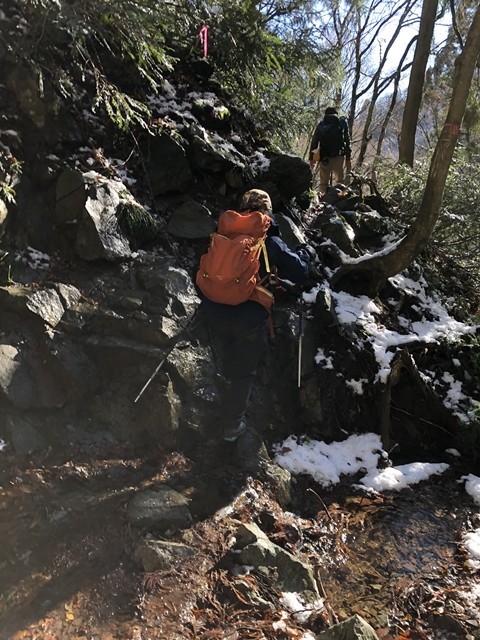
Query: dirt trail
point(67, 570)
point(65, 563)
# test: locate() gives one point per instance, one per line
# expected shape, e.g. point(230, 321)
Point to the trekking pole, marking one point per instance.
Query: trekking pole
point(300, 340)
point(179, 335)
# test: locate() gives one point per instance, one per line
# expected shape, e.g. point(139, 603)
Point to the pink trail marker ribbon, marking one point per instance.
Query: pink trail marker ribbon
point(203, 35)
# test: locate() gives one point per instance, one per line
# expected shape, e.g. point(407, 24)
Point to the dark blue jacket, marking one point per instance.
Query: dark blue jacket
point(291, 265)
point(333, 136)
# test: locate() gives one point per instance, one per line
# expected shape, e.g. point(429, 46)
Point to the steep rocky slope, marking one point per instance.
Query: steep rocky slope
point(98, 250)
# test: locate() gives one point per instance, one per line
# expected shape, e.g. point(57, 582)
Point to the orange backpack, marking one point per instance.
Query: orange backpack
point(228, 272)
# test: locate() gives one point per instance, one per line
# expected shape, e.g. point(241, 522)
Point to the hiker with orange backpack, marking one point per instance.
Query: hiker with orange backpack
point(246, 253)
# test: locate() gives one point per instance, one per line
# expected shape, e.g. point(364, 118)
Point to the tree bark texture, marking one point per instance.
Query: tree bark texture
point(417, 79)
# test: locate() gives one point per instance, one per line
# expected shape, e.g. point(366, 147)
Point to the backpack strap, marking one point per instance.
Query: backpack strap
point(265, 256)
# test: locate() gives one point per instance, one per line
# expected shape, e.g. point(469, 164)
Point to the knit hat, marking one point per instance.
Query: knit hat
point(256, 200)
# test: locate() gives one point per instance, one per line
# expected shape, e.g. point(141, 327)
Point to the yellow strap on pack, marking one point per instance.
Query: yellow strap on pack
point(265, 256)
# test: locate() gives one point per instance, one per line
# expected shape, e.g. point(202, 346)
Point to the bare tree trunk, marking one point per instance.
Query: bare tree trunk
point(369, 275)
point(378, 85)
point(367, 33)
point(417, 79)
point(393, 99)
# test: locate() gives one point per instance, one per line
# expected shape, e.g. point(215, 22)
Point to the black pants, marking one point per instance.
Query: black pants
point(238, 350)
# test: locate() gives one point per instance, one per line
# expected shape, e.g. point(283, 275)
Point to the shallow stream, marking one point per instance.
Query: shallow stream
point(397, 559)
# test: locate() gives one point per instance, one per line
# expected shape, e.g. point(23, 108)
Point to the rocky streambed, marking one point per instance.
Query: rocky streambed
point(225, 558)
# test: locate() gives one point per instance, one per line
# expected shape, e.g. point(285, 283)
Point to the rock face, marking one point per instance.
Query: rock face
point(168, 167)
point(83, 333)
point(98, 255)
point(78, 343)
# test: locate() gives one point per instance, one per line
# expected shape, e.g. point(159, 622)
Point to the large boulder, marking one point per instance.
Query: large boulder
point(213, 154)
point(99, 236)
point(290, 174)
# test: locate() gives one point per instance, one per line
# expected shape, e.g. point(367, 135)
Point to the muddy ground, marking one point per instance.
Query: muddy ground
point(67, 568)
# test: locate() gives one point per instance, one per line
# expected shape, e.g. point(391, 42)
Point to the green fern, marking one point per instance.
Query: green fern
point(123, 110)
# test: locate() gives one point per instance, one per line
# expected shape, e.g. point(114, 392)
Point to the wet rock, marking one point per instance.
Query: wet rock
point(171, 287)
point(368, 225)
point(291, 574)
point(155, 555)
point(354, 628)
point(334, 227)
point(212, 113)
point(213, 156)
point(162, 509)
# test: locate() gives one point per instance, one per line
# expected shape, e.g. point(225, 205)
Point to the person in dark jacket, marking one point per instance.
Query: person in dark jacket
point(330, 148)
point(241, 329)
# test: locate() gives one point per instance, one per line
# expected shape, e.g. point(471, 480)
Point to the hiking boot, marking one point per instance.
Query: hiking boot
point(233, 431)
point(251, 453)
